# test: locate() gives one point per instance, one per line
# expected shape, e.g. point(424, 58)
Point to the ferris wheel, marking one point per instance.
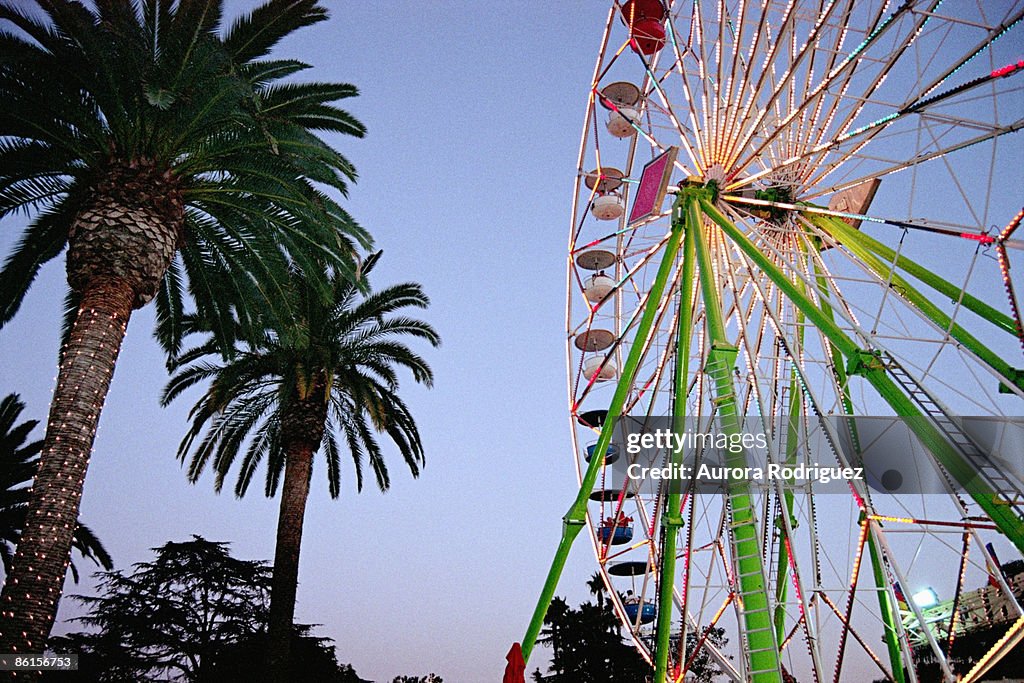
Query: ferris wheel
point(796, 222)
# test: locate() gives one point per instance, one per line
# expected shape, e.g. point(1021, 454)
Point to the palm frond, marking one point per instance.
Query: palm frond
point(43, 240)
point(71, 304)
point(90, 547)
point(255, 34)
point(90, 86)
point(262, 72)
point(347, 349)
point(170, 308)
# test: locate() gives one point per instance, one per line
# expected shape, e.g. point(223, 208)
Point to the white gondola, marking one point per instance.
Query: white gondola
point(623, 102)
point(621, 122)
point(608, 207)
point(597, 286)
point(596, 366)
point(594, 340)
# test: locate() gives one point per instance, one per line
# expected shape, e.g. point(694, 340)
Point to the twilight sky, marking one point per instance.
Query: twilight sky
point(466, 177)
point(466, 180)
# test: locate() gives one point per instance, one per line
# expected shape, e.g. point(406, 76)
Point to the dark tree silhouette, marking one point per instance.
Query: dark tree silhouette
point(312, 659)
point(194, 614)
point(587, 646)
point(172, 617)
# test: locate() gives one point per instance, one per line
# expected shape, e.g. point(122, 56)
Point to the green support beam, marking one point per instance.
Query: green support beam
point(872, 367)
point(971, 303)
point(838, 368)
point(888, 610)
point(671, 519)
point(856, 243)
point(792, 443)
point(576, 517)
point(885, 606)
point(761, 649)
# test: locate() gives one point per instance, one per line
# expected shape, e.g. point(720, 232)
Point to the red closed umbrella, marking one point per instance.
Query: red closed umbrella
point(515, 670)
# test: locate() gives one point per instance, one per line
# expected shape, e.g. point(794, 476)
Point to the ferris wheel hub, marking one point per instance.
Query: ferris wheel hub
point(715, 173)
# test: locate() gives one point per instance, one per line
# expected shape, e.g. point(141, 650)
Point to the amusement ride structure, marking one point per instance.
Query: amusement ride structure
point(797, 220)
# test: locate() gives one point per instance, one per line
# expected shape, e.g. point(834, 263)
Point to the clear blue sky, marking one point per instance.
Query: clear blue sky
point(466, 177)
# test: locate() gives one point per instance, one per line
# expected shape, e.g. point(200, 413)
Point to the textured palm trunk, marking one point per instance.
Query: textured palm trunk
point(302, 427)
point(33, 588)
point(120, 244)
point(286, 558)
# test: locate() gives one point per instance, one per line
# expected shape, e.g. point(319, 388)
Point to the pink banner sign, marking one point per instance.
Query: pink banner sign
point(653, 184)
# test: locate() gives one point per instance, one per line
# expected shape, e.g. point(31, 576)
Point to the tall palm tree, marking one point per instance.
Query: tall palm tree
point(597, 588)
point(332, 378)
point(163, 153)
point(18, 464)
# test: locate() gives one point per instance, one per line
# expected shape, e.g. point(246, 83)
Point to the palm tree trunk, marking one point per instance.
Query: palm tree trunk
point(299, 461)
point(28, 605)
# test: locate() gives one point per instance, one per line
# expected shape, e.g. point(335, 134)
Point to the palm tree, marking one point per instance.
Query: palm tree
point(18, 464)
point(330, 378)
point(597, 588)
point(163, 153)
